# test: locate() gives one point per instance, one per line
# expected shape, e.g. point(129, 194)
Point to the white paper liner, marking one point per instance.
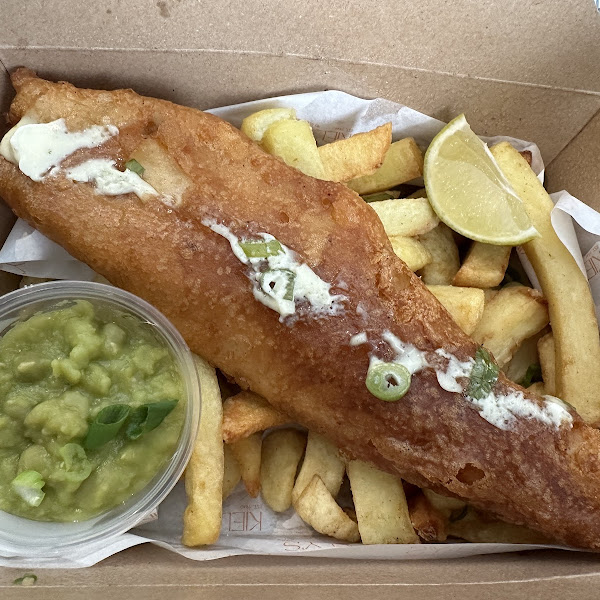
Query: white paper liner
point(249, 526)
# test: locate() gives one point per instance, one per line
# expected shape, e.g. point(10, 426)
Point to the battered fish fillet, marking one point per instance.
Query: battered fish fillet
point(532, 473)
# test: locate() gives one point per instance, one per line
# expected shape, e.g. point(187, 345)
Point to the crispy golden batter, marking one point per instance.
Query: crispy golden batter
point(543, 477)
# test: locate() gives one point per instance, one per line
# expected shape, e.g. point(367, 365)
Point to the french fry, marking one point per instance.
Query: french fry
point(514, 314)
point(294, 143)
point(444, 256)
point(317, 507)
point(282, 451)
point(484, 266)
point(406, 218)
point(428, 522)
point(247, 452)
point(321, 458)
point(489, 295)
point(446, 505)
point(566, 289)
point(547, 352)
point(524, 358)
point(204, 472)
point(411, 251)
point(255, 125)
point(358, 155)
point(380, 506)
point(464, 304)
point(476, 527)
point(403, 162)
point(246, 413)
point(538, 388)
point(231, 474)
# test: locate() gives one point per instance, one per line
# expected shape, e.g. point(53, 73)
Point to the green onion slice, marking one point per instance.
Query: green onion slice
point(483, 375)
point(378, 196)
point(77, 467)
point(532, 375)
point(388, 381)
point(278, 283)
point(134, 165)
point(106, 425)
point(148, 417)
point(28, 485)
point(27, 579)
point(261, 249)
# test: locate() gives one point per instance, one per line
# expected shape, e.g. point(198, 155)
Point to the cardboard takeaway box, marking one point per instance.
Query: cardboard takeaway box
point(525, 69)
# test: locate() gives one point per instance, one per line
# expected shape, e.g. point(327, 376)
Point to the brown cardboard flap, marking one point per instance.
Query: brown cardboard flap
point(209, 79)
point(577, 168)
point(147, 572)
point(550, 42)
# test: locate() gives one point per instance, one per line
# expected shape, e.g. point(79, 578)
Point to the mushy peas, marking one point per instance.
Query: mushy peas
point(92, 405)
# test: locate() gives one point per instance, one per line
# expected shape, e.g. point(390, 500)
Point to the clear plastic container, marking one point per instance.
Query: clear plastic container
point(28, 538)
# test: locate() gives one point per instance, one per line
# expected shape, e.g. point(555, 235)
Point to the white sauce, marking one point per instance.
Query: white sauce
point(358, 339)
point(109, 180)
point(502, 411)
point(406, 354)
point(448, 379)
point(39, 148)
point(308, 286)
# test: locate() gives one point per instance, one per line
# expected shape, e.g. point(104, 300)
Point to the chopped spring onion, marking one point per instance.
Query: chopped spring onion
point(388, 381)
point(483, 375)
point(148, 417)
point(532, 375)
point(261, 249)
point(27, 580)
point(377, 196)
point(278, 283)
point(28, 485)
point(76, 465)
point(134, 165)
point(106, 425)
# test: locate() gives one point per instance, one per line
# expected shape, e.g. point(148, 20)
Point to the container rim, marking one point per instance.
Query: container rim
point(123, 517)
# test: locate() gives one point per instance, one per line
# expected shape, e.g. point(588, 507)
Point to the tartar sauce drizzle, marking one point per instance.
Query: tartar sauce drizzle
point(308, 286)
point(501, 410)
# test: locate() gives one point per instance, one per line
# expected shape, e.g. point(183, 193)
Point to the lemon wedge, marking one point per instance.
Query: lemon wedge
point(469, 192)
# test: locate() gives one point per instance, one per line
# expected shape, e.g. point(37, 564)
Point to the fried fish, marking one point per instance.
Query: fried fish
point(290, 286)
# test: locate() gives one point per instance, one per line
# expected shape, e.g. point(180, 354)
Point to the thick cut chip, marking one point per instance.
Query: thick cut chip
point(514, 314)
point(317, 507)
point(246, 413)
point(484, 266)
point(247, 452)
point(429, 523)
point(444, 256)
point(476, 527)
point(547, 352)
point(294, 143)
point(570, 302)
point(232, 473)
point(405, 217)
point(380, 505)
point(282, 451)
point(465, 304)
point(358, 155)
point(411, 251)
point(204, 472)
point(255, 125)
point(403, 162)
point(322, 458)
